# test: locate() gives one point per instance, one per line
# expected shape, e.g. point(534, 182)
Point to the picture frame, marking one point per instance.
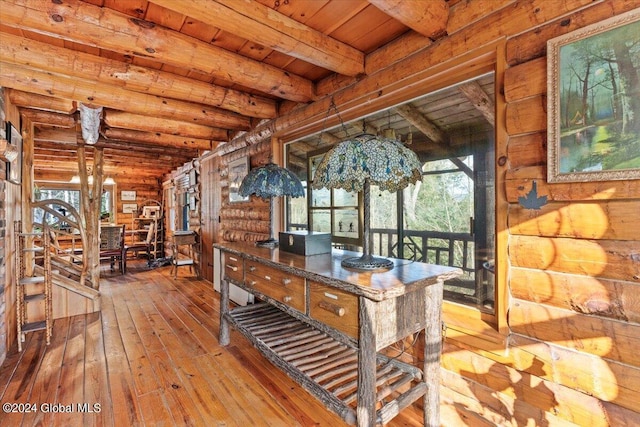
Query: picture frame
point(127, 195)
point(129, 208)
point(593, 117)
point(238, 169)
point(14, 168)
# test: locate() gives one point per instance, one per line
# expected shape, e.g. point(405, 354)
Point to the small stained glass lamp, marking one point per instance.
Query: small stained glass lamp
point(356, 163)
point(267, 182)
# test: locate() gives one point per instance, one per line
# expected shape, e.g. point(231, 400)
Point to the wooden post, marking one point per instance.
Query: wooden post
point(366, 409)
point(224, 310)
point(432, 352)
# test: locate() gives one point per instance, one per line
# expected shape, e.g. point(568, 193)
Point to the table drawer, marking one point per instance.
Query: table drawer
point(233, 268)
point(334, 308)
point(279, 285)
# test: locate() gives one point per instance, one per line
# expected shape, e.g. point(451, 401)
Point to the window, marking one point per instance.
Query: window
point(70, 193)
point(448, 218)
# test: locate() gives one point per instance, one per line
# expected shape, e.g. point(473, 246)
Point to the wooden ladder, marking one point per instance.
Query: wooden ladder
point(31, 288)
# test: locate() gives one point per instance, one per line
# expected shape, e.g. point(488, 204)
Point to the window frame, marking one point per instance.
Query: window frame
point(461, 321)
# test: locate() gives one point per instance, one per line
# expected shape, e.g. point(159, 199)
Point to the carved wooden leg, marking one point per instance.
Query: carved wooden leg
point(366, 409)
point(432, 351)
point(224, 309)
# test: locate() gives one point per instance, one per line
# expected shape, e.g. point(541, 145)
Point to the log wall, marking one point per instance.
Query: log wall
point(244, 221)
point(10, 208)
point(574, 272)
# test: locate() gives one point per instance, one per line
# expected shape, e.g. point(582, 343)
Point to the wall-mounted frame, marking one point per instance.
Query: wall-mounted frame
point(14, 168)
point(593, 107)
point(127, 195)
point(128, 208)
point(238, 169)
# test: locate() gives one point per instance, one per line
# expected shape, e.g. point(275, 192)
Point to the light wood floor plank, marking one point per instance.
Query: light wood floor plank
point(72, 375)
point(151, 357)
point(45, 386)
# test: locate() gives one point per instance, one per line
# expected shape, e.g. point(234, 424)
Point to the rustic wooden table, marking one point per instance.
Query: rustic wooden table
point(387, 307)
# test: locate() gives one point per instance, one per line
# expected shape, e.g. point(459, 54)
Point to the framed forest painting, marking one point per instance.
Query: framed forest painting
point(593, 104)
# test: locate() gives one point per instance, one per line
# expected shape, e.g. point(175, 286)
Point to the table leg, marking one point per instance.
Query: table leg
point(432, 351)
point(366, 409)
point(224, 310)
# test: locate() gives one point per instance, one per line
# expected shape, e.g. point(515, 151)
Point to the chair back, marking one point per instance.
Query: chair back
point(112, 237)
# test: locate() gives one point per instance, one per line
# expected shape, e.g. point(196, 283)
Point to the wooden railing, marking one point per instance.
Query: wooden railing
point(67, 238)
point(434, 247)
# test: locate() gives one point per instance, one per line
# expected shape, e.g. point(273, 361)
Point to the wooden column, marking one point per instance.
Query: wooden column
point(432, 353)
point(366, 409)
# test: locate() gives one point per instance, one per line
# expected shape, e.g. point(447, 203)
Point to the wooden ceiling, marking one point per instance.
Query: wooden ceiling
point(177, 78)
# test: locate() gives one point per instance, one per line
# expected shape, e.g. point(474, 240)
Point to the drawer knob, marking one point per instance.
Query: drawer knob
point(286, 281)
point(252, 283)
point(287, 298)
point(232, 267)
point(252, 268)
point(333, 308)
point(267, 277)
point(233, 259)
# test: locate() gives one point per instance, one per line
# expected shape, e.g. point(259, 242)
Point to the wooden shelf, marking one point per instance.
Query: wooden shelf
point(325, 367)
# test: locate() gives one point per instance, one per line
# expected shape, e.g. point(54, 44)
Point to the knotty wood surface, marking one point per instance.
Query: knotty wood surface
point(152, 357)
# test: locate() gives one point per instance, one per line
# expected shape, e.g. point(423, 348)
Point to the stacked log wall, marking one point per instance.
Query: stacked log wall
point(244, 221)
point(10, 210)
point(574, 273)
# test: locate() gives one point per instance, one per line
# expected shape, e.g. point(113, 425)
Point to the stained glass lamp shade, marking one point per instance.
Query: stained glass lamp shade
point(355, 164)
point(267, 182)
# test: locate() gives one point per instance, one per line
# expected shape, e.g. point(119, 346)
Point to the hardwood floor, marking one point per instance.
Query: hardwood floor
point(152, 358)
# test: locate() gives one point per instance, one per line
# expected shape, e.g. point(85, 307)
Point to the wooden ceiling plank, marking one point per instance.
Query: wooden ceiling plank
point(96, 93)
point(427, 18)
point(22, 51)
point(263, 25)
point(76, 21)
point(124, 120)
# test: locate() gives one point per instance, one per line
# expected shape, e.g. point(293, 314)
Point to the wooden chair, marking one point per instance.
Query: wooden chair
point(186, 258)
point(144, 245)
point(112, 246)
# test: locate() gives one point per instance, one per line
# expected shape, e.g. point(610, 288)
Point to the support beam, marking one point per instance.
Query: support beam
point(431, 131)
point(48, 118)
point(428, 18)
point(124, 120)
point(40, 102)
point(263, 25)
point(67, 87)
point(478, 97)
point(22, 51)
point(158, 139)
point(104, 28)
point(143, 141)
